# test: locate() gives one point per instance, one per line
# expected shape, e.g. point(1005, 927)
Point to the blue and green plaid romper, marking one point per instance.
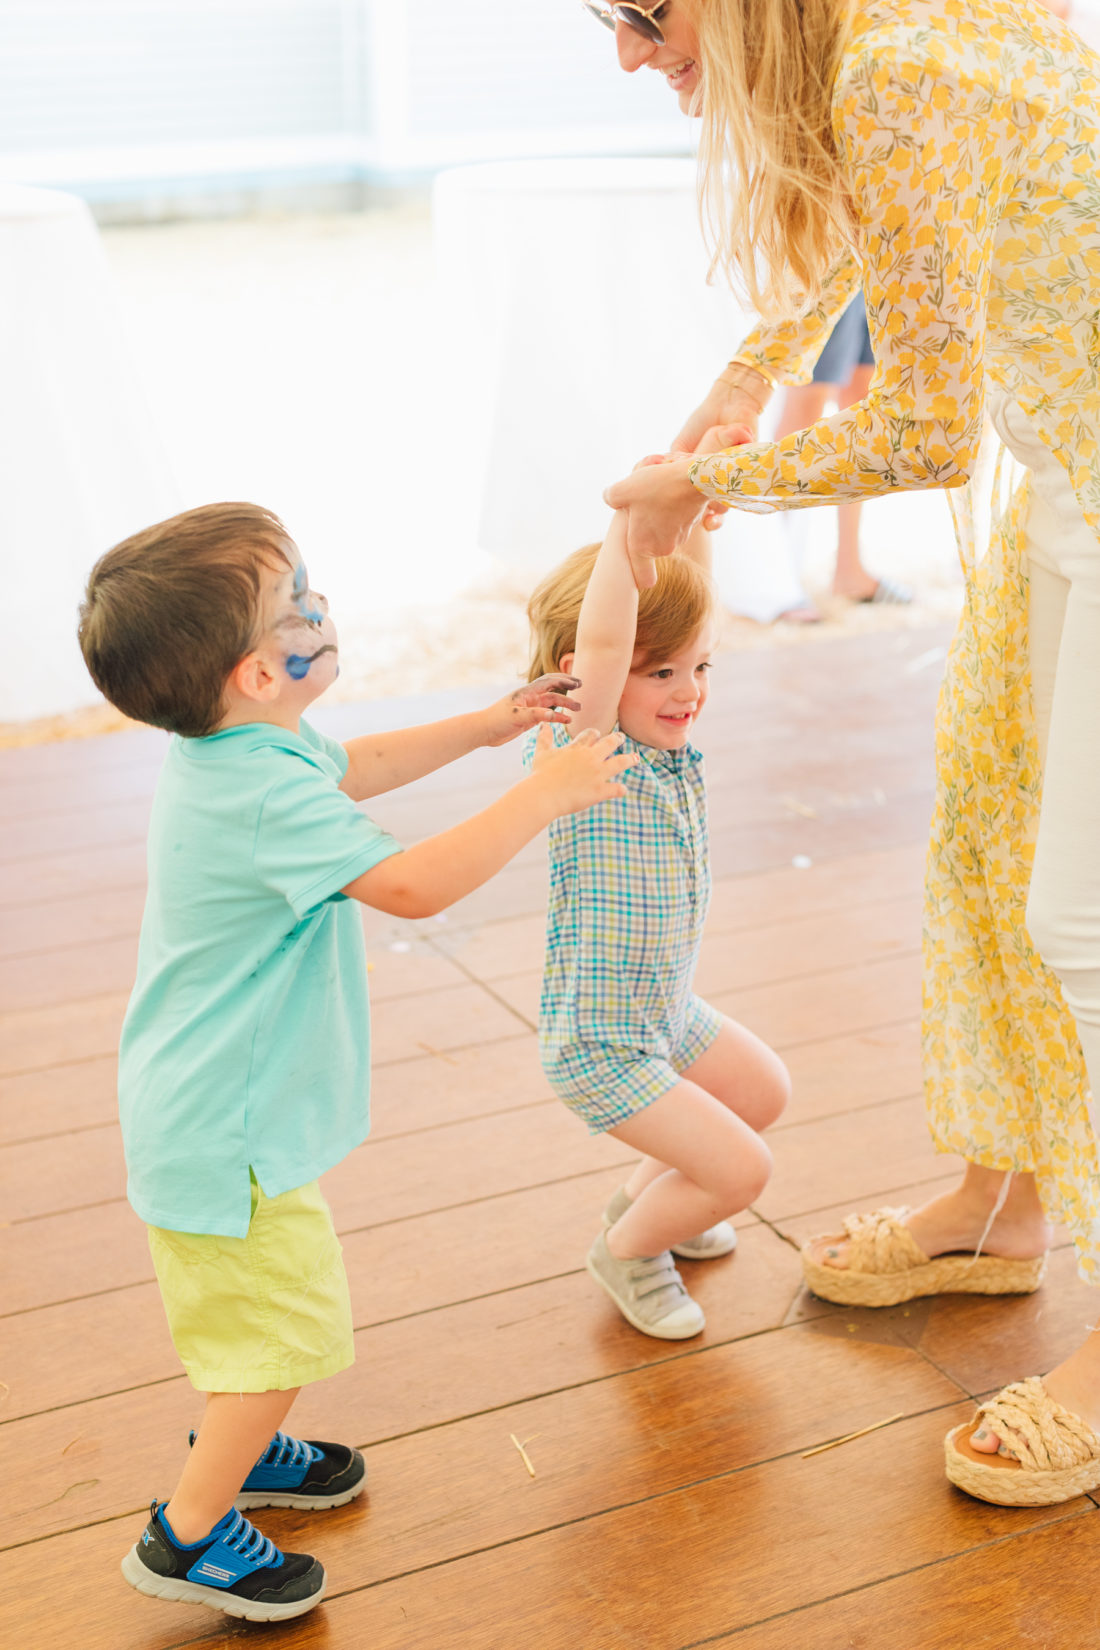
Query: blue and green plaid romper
point(629, 890)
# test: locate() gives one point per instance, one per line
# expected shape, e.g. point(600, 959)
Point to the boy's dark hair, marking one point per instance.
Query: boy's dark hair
point(169, 612)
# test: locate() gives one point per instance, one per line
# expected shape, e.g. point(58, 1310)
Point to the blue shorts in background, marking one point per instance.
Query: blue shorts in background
point(849, 347)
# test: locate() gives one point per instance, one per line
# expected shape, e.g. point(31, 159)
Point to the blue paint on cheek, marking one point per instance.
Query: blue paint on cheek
point(297, 664)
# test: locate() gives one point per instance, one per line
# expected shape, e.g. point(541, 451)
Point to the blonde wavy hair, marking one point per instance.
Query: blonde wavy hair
point(670, 612)
point(768, 70)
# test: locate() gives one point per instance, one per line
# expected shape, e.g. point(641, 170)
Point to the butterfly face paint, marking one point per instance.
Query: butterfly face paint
point(305, 629)
point(305, 599)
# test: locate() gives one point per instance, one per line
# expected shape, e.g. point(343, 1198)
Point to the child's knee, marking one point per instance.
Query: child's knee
point(777, 1090)
point(759, 1170)
point(744, 1175)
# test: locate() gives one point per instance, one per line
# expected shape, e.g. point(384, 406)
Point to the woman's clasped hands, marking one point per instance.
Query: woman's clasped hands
point(661, 502)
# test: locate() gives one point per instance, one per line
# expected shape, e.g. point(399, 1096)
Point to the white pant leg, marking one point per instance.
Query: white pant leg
point(1063, 911)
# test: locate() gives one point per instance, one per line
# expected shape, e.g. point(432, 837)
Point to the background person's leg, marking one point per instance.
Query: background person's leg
point(850, 578)
point(803, 405)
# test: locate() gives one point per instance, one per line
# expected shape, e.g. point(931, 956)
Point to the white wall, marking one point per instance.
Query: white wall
point(107, 97)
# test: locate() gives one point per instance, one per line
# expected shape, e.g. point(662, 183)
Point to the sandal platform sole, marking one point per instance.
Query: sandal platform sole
point(1017, 1486)
point(943, 1275)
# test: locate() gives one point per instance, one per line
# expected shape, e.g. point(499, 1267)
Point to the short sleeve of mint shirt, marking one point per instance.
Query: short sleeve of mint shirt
point(246, 1043)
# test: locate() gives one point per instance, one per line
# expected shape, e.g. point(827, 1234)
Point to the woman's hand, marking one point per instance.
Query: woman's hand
point(725, 404)
point(663, 505)
point(731, 407)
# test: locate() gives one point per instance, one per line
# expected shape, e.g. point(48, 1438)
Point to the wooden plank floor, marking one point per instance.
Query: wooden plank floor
point(672, 1505)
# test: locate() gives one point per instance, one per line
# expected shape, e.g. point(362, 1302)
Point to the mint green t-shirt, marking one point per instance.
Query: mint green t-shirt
point(246, 1042)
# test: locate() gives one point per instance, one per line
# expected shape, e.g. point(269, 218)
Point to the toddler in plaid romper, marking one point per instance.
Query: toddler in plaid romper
point(624, 1040)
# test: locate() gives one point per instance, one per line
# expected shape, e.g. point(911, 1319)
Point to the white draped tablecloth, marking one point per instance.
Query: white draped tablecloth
point(81, 464)
point(582, 334)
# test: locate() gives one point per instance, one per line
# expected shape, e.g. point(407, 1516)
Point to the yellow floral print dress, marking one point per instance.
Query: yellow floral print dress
point(970, 134)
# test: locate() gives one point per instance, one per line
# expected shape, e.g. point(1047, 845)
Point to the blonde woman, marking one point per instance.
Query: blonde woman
point(945, 153)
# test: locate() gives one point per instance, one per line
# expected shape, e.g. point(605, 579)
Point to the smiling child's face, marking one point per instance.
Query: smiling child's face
point(662, 700)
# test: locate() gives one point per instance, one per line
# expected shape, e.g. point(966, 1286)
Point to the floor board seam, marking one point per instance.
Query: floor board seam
point(883, 1581)
point(641, 1501)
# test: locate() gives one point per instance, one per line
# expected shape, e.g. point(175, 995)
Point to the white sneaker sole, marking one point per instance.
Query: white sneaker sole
point(304, 1503)
point(684, 1251)
point(190, 1592)
point(667, 1330)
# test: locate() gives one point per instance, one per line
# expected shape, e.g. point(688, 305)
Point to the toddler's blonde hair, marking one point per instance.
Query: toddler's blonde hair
point(670, 612)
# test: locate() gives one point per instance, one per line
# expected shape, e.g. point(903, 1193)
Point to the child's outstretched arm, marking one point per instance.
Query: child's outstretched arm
point(606, 630)
point(435, 873)
point(384, 761)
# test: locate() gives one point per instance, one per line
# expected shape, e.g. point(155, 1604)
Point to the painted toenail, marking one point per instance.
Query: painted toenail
point(982, 1434)
point(832, 1253)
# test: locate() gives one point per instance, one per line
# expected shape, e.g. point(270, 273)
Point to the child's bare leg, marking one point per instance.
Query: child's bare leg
point(718, 1164)
point(741, 1071)
point(236, 1429)
point(744, 1074)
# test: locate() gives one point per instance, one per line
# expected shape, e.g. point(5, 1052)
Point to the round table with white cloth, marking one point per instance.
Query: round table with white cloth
point(82, 466)
point(582, 333)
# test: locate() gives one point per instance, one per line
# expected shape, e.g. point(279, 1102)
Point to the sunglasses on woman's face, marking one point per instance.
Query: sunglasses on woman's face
point(642, 19)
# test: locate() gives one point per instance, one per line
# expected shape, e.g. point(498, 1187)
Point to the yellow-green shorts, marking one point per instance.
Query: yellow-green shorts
point(265, 1312)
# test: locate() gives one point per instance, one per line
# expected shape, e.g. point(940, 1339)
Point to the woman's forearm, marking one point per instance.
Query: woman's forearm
point(872, 448)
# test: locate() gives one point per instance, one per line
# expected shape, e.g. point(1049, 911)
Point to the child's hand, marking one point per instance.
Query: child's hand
point(581, 773)
point(716, 440)
point(543, 700)
point(644, 568)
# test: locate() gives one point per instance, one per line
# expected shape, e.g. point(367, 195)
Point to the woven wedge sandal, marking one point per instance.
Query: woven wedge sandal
point(886, 1266)
point(1058, 1453)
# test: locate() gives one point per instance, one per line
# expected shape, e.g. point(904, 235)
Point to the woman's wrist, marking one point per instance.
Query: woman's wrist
point(754, 382)
point(698, 481)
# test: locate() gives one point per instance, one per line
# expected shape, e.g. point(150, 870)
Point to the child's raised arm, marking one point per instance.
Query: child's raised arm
point(605, 632)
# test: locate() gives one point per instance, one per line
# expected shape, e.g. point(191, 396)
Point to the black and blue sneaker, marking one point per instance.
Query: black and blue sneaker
point(234, 1569)
point(304, 1473)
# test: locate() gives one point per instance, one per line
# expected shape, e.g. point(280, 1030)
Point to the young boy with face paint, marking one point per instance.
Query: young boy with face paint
point(243, 1065)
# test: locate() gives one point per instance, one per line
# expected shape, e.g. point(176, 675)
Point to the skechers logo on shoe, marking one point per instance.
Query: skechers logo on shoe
point(215, 1572)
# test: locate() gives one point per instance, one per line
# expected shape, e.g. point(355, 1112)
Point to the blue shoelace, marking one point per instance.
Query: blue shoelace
point(284, 1451)
point(244, 1538)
